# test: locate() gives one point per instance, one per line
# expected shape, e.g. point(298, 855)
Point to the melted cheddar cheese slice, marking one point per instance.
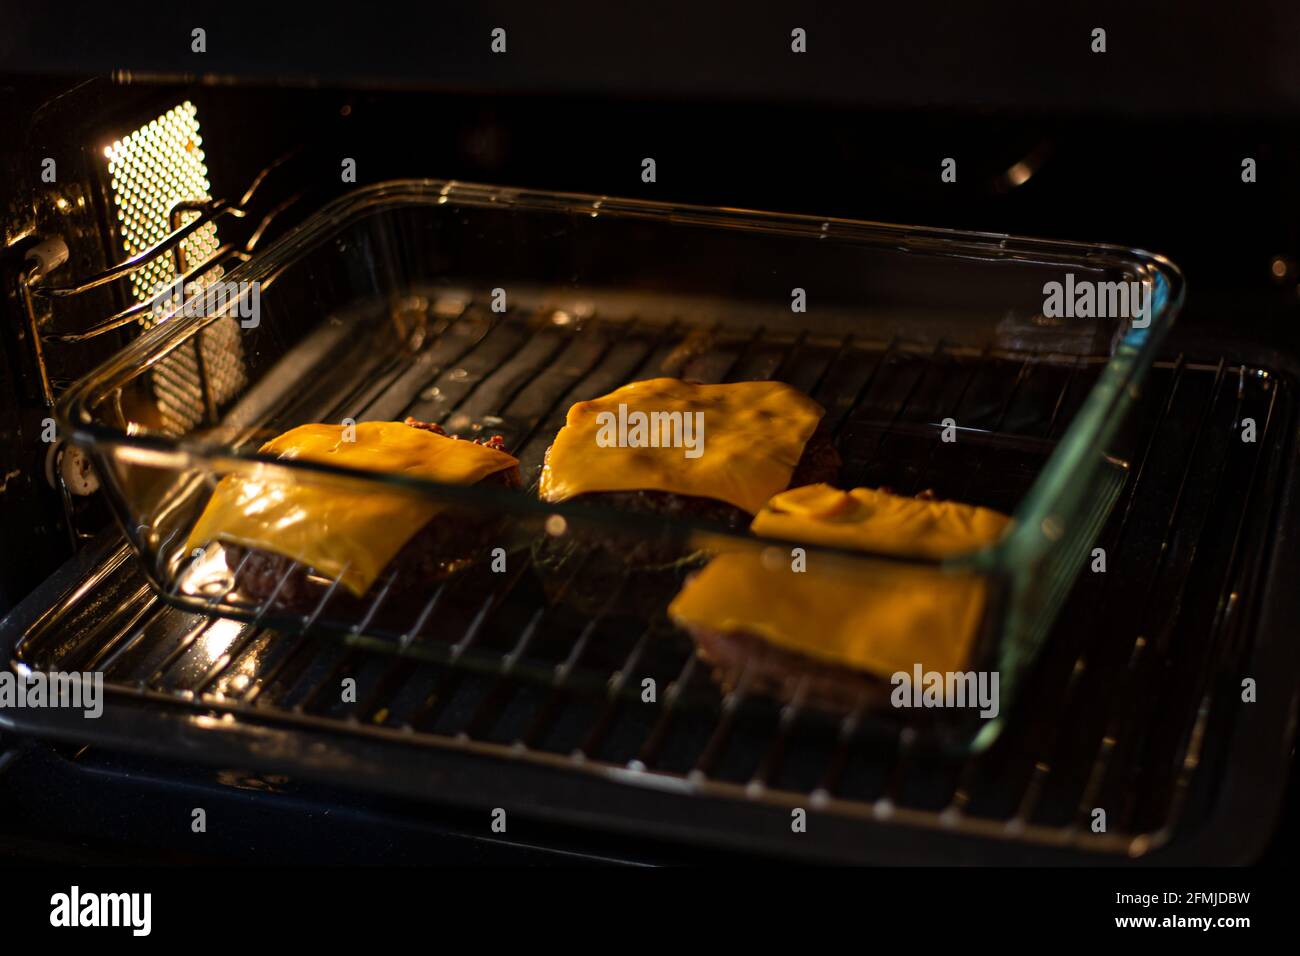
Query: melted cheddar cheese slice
point(873, 616)
point(877, 617)
point(870, 520)
point(752, 438)
point(346, 534)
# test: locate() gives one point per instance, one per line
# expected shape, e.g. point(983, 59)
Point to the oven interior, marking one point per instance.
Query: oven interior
point(1132, 708)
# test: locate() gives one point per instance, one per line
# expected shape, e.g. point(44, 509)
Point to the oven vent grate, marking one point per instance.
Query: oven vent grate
point(151, 170)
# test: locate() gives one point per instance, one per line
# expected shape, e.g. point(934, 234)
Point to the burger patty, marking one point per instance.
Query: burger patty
point(819, 463)
point(439, 549)
point(785, 675)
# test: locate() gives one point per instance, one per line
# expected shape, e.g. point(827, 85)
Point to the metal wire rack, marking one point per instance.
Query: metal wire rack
point(1123, 710)
point(516, 375)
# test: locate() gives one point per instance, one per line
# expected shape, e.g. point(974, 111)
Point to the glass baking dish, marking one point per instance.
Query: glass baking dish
point(491, 310)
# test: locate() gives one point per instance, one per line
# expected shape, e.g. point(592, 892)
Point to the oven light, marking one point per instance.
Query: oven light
point(150, 170)
point(1019, 174)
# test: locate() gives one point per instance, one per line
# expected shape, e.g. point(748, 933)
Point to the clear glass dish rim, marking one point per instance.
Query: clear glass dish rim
point(1094, 424)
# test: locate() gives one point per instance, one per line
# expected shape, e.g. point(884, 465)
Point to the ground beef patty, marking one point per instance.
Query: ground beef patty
point(443, 546)
point(785, 676)
point(820, 463)
point(777, 673)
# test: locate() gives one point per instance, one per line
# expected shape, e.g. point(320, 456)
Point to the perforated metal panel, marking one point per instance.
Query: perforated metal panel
point(150, 170)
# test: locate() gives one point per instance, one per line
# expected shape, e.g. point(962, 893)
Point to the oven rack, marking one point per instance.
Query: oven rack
point(185, 218)
point(868, 389)
point(1116, 715)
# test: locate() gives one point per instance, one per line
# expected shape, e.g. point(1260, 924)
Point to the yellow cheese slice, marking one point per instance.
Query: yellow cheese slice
point(870, 520)
point(870, 615)
point(879, 618)
point(753, 437)
point(343, 533)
